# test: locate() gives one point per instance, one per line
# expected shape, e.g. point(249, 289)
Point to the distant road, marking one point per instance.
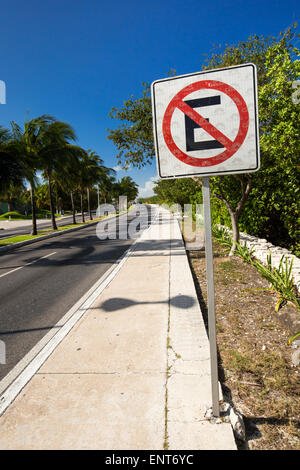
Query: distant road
point(41, 282)
point(25, 230)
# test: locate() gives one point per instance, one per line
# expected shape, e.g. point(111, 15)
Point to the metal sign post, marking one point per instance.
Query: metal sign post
point(211, 297)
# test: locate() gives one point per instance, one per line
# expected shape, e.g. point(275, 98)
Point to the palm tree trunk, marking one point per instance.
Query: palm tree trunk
point(54, 226)
point(8, 202)
point(33, 211)
point(73, 207)
point(56, 199)
point(89, 205)
point(81, 206)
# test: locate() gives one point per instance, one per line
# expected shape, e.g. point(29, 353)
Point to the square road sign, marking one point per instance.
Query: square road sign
point(206, 123)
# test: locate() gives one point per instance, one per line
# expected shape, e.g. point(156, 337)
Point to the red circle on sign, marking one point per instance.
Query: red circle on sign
point(231, 147)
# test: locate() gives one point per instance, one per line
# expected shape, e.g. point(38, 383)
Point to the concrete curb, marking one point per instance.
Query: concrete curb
point(189, 370)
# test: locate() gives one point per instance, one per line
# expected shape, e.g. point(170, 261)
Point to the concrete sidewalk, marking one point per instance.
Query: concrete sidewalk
point(134, 372)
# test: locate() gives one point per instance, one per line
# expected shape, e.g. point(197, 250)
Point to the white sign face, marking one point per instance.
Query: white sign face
point(206, 123)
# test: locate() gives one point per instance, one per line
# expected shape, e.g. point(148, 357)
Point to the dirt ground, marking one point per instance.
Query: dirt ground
point(255, 361)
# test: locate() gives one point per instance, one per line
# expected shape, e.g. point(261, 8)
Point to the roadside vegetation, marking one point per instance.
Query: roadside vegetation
point(257, 366)
point(43, 173)
point(264, 203)
point(280, 279)
point(15, 215)
point(40, 233)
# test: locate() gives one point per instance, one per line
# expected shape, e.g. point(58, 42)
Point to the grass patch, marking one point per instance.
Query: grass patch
point(17, 239)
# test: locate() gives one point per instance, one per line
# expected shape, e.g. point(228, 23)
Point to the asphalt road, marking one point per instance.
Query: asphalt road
point(41, 282)
point(11, 232)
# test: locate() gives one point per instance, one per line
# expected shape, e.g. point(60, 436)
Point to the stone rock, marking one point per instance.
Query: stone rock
point(237, 424)
point(296, 357)
point(208, 414)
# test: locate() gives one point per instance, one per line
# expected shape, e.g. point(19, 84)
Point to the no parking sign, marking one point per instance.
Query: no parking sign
point(206, 123)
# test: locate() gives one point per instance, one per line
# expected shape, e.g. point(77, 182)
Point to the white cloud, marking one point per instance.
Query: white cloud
point(147, 189)
point(119, 168)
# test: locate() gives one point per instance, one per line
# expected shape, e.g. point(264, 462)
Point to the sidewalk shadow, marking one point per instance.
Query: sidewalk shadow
point(118, 303)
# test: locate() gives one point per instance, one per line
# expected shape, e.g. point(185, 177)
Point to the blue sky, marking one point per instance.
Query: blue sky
point(76, 59)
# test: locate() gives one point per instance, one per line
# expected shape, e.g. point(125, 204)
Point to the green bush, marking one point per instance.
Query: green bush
point(14, 215)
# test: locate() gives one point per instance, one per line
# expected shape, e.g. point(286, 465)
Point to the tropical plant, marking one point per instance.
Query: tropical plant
point(92, 168)
point(281, 280)
point(221, 234)
point(11, 169)
point(126, 187)
point(69, 182)
point(106, 186)
point(26, 144)
point(53, 153)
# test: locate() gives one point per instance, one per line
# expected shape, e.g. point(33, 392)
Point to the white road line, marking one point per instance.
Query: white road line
point(27, 264)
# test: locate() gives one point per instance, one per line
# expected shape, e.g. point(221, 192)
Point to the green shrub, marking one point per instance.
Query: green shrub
point(14, 215)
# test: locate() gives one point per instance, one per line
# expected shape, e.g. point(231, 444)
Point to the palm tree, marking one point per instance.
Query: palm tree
point(94, 165)
point(26, 143)
point(53, 154)
point(128, 187)
point(82, 181)
point(106, 185)
point(93, 171)
point(11, 169)
point(69, 181)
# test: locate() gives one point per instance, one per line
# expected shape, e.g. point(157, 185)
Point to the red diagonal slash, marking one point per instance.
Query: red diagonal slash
point(231, 147)
point(202, 122)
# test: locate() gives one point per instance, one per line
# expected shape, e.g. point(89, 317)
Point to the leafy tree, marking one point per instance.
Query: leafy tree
point(274, 201)
point(134, 138)
point(266, 214)
point(180, 191)
point(149, 200)
point(265, 202)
